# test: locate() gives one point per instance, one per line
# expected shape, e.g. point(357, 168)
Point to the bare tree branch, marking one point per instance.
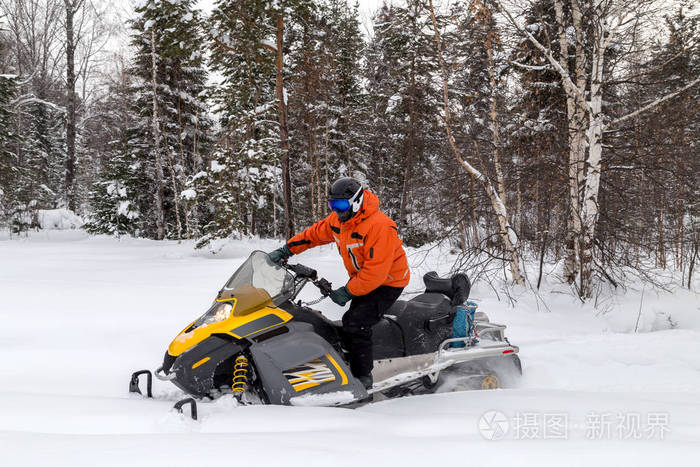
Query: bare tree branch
point(652, 104)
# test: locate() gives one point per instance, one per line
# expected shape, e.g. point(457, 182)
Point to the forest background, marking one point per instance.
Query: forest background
point(559, 131)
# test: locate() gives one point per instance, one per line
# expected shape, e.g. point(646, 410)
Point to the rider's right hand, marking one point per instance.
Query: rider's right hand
point(279, 254)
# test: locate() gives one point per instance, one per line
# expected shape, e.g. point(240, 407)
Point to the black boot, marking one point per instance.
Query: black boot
point(366, 381)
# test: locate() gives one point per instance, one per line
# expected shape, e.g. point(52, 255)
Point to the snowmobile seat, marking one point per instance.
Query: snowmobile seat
point(397, 308)
point(456, 288)
point(387, 339)
point(413, 327)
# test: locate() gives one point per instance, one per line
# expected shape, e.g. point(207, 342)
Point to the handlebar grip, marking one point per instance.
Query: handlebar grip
point(324, 286)
point(303, 271)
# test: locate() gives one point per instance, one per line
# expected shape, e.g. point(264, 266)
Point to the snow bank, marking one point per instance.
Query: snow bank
point(332, 398)
point(228, 249)
point(58, 219)
point(80, 313)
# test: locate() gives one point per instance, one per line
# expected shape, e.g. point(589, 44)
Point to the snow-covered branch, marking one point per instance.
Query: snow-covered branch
point(652, 104)
point(569, 85)
point(28, 99)
point(531, 67)
point(269, 45)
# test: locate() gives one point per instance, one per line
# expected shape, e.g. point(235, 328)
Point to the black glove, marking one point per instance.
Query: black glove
point(341, 296)
point(280, 254)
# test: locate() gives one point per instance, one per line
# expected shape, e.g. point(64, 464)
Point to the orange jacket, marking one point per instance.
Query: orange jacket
point(369, 244)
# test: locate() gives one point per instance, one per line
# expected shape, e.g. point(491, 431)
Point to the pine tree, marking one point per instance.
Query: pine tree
point(114, 198)
point(241, 182)
point(9, 167)
point(539, 135)
point(168, 139)
point(404, 97)
point(328, 109)
point(248, 178)
point(345, 98)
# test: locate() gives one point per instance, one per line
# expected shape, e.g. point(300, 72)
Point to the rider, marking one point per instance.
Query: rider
point(368, 241)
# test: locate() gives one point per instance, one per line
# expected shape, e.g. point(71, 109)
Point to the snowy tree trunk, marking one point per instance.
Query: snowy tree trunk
point(312, 184)
point(198, 165)
point(188, 232)
point(507, 234)
point(576, 124)
point(71, 8)
point(325, 166)
point(407, 172)
point(589, 216)
point(475, 216)
point(319, 194)
point(176, 200)
point(493, 113)
point(160, 213)
point(284, 136)
point(408, 160)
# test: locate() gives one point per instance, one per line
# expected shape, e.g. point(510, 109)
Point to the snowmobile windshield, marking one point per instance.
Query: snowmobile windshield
point(258, 283)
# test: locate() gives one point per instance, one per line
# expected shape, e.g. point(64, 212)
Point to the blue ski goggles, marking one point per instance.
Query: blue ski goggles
point(343, 204)
point(340, 205)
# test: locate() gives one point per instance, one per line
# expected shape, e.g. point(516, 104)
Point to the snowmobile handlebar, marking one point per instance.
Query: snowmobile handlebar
point(324, 286)
point(307, 273)
point(303, 272)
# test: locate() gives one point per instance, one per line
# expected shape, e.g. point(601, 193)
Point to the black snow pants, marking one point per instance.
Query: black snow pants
point(365, 311)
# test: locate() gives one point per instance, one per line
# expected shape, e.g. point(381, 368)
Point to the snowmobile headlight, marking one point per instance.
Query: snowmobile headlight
point(217, 313)
point(223, 311)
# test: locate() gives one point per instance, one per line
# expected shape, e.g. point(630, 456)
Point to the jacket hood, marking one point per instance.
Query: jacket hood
point(370, 205)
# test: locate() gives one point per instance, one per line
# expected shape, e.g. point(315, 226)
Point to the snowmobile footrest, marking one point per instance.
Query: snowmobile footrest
point(193, 406)
point(134, 382)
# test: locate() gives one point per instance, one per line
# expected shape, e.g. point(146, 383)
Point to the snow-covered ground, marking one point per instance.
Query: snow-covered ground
point(79, 314)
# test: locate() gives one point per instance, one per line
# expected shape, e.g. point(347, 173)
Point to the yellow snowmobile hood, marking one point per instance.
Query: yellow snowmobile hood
point(238, 324)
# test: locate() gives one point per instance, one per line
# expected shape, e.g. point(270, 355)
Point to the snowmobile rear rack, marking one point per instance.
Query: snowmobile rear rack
point(444, 358)
point(134, 383)
point(496, 331)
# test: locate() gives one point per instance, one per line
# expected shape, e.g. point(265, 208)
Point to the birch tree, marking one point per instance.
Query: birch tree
point(606, 22)
point(496, 195)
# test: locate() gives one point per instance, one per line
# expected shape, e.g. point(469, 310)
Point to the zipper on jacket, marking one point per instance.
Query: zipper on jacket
point(352, 256)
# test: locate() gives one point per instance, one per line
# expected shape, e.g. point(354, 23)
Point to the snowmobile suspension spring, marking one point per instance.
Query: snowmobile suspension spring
point(240, 375)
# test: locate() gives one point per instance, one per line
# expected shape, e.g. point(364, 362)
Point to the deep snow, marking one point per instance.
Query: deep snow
point(79, 314)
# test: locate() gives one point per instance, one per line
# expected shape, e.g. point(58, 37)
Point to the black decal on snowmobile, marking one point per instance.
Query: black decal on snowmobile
point(270, 334)
point(309, 375)
point(257, 325)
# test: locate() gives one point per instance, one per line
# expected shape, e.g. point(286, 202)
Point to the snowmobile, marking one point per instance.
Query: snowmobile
point(258, 344)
